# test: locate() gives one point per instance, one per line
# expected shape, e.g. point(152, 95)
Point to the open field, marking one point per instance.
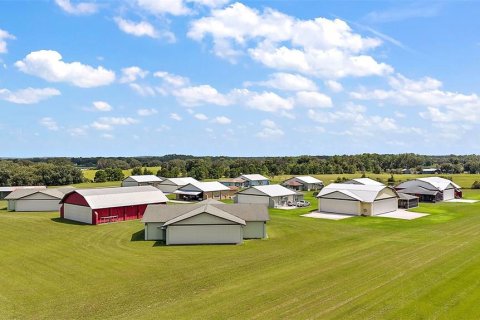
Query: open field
point(358, 268)
point(90, 173)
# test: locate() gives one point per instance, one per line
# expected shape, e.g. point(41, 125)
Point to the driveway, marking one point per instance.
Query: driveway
point(402, 214)
point(462, 200)
point(328, 216)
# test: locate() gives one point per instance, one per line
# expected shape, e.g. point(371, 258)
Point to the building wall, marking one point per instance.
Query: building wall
point(203, 218)
point(43, 205)
point(167, 188)
point(254, 230)
point(153, 231)
point(244, 198)
point(77, 213)
point(129, 183)
point(340, 206)
point(204, 234)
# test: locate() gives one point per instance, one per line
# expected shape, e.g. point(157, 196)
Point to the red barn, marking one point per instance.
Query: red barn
point(95, 206)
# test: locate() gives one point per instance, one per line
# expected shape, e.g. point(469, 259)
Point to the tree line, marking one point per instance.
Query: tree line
point(62, 171)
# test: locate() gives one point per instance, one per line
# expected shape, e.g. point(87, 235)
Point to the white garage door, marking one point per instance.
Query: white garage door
point(37, 205)
point(204, 234)
point(77, 213)
point(385, 205)
point(244, 198)
point(448, 194)
point(340, 206)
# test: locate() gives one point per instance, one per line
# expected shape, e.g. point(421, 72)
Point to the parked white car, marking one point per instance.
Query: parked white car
point(302, 203)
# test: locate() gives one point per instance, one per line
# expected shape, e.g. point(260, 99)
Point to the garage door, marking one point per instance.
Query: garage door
point(340, 206)
point(37, 205)
point(448, 194)
point(77, 213)
point(244, 198)
point(385, 205)
point(204, 234)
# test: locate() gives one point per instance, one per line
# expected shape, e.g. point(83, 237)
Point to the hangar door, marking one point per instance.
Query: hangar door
point(385, 205)
point(204, 234)
point(448, 194)
point(340, 206)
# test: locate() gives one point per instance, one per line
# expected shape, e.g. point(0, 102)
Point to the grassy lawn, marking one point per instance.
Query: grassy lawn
point(90, 173)
point(358, 268)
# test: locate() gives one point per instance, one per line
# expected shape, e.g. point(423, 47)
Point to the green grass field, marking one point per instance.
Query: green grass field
point(358, 268)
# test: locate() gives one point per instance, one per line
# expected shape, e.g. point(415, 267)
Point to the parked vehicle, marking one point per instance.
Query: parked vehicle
point(290, 203)
point(302, 203)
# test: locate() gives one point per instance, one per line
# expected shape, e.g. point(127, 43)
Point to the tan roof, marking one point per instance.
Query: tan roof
point(246, 212)
point(53, 192)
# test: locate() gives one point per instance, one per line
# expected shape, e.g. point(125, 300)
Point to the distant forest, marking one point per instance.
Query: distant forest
point(63, 171)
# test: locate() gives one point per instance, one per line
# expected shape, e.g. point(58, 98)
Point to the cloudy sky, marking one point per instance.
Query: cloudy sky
point(250, 78)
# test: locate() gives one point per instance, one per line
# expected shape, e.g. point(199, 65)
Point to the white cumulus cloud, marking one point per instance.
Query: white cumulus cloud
point(131, 74)
point(146, 112)
point(287, 82)
point(81, 8)
point(199, 95)
point(102, 106)
point(270, 130)
point(48, 65)
point(175, 117)
point(4, 35)
point(49, 123)
point(269, 102)
point(138, 29)
point(200, 116)
point(28, 95)
point(222, 120)
point(313, 99)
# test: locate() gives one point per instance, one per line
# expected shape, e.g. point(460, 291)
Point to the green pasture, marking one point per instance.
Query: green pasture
point(358, 268)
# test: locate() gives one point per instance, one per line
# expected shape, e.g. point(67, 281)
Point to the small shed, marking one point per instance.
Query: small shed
point(273, 195)
point(406, 201)
point(142, 180)
point(102, 205)
point(303, 183)
point(198, 191)
point(36, 200)
point(169, 185)
point(206, 222)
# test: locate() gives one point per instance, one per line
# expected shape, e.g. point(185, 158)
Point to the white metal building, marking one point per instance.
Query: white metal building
point(203, 190)
point(30, 200)
point(448, 189)
point(206, 222)
point(142, 180)
point(357, 199)
point(254, 180)
point(365, 182)
point(303, 183)
point(5, 191)
point(273, 195)
point(169, 185)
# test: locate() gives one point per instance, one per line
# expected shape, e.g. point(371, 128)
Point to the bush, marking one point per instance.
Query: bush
point(476, 185)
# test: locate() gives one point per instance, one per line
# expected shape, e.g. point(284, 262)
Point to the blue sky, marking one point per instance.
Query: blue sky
point(251, 78)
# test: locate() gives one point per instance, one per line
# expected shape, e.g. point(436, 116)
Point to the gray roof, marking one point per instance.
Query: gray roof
point(365, 193)
point(253, 177)
point(10, 189)
point(418, 190)
point(365, 182)
point(179, 181)
point(119, 197)
point(144, 178)
point(271, 190)
point(53, 192)
point(245, 212)
point(404, 196)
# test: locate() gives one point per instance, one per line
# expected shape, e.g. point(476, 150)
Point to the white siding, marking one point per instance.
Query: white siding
point(153, 231)
point(204, 218)
point(77, 213)
point(11, 205)
point(448, 194)
point(339, 206)
point(37, 205)
point(254, 230)
point(168, 188)
point(385, 205)
point(204, 234)
point(244, 198)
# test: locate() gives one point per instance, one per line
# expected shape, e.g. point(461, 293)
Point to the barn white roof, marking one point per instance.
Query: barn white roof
point(253, 177)
point(180, 181)
point(365, 193)
point(145, 178)
point(207, 186)
point(368, 182)
point(439, 183)
point(308, 179)
point(119, 197)
point(274, 190)
point(10, 189)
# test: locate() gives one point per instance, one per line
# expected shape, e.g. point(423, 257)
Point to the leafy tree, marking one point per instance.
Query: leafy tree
point(100, 176)
point(136, 171)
